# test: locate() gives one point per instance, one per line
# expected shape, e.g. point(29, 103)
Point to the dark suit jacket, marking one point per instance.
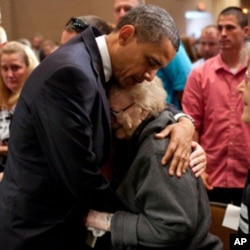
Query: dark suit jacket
point(60, 136)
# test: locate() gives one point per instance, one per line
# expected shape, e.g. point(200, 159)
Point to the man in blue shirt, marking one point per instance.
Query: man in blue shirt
point(174, 76)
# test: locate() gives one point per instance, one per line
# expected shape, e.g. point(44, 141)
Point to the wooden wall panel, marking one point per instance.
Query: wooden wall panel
point(22, 18)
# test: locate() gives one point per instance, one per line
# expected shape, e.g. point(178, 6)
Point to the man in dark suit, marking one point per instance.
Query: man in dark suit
point(60, 135)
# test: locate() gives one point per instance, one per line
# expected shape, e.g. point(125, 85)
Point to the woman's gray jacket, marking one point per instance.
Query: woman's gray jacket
point(164, 212)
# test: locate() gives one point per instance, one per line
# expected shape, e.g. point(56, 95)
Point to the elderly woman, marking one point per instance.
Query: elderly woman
point(158, 211)
point(17, 61)
point(244, 88)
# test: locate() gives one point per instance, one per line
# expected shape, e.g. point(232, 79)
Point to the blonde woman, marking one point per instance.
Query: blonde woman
point(16, 63)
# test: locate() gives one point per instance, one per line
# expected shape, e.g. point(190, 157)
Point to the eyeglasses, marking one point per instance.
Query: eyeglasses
point(118, 113)
point(77, 24)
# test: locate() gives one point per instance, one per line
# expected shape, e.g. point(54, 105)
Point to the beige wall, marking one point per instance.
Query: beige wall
point(22, 18)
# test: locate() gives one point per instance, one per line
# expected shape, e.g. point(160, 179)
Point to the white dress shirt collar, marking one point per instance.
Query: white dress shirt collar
point(102, 45)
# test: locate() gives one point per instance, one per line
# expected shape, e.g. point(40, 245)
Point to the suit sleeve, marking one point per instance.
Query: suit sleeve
point(66, 116)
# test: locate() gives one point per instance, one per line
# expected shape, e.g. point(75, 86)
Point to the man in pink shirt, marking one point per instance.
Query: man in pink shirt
point(211, 98)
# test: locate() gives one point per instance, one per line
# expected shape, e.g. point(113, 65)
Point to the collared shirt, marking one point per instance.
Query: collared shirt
point(102, 45)
point(211, 98)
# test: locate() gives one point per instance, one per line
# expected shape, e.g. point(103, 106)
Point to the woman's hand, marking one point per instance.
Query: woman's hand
point(98, 220)
point(198, 159)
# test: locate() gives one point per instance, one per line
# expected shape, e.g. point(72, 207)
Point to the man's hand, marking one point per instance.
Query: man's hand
point(179, 148)
point(206, 181)
point(198, 159)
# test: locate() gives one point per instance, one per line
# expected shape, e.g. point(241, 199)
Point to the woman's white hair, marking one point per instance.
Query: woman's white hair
point(150, 96)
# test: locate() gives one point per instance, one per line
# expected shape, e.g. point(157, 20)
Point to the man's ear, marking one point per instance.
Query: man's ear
point(247, 31)
point(126, 33)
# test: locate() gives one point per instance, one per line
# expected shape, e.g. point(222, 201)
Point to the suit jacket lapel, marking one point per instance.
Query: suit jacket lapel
point(88, 36)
